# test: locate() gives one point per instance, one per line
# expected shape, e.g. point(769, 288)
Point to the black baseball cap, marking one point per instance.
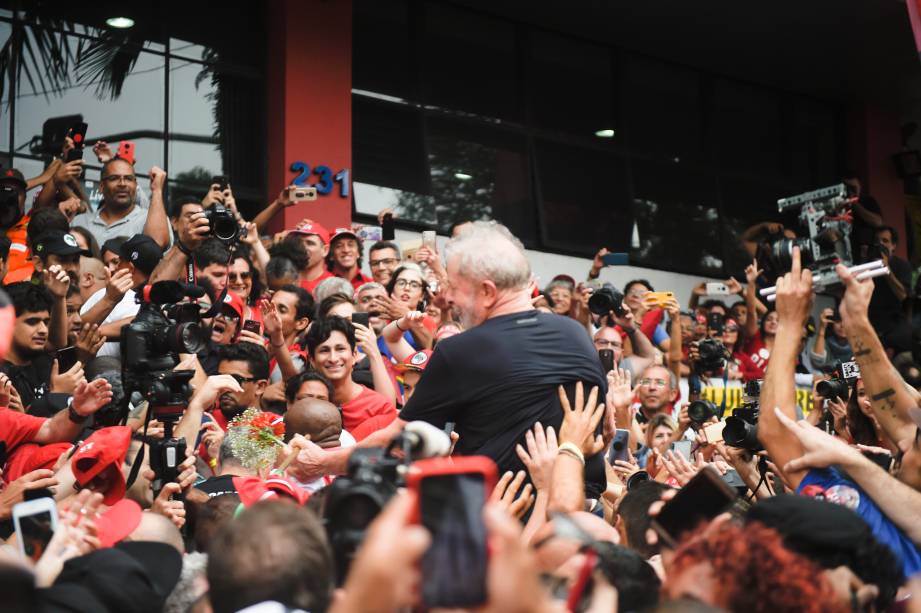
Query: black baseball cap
point(114, 244)
point(142, 251)
point(11, 174)
point(56, 243)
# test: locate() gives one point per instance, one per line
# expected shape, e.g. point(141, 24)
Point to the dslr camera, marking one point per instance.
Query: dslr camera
point(150, 346)
point(713, 355)
point(839, 386)
point(223, 224)
point(741, 428)
point(606, 300)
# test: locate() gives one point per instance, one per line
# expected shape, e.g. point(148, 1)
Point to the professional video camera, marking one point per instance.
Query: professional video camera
point(823, 216)
point(741, 428)
point(839, 386)
point(150, 346)
point(372, 478)
point(606, 299)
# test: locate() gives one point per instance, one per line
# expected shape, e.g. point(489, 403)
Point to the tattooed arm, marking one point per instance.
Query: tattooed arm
point(889, 395)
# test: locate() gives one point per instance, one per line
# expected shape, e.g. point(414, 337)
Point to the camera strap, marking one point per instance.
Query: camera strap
point(725, 390)
point(139, 458)
point(190, 273)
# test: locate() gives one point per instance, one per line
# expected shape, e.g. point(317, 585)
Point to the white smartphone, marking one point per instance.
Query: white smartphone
point(35, 522)
point(428, 239)
point(714, 432)
point(717, 289)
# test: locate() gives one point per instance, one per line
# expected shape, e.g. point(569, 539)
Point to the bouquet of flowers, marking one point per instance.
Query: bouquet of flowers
point(255, 437)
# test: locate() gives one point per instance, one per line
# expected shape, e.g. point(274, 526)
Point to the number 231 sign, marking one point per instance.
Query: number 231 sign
point(325, 182)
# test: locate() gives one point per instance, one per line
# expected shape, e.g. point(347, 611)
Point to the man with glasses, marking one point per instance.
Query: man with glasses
point(657, 391)
point(383, 258)
point(118, 213)
point(248, 364)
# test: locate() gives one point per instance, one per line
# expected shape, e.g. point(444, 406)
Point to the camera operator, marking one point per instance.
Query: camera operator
point(212, 262)
point(192, 229)
point(812, 461)
point(887, 309)
point(115, 306)
point(867, 217)
point(831, 345)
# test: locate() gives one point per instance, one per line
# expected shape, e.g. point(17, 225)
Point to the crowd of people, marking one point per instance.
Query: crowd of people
point(326, 391)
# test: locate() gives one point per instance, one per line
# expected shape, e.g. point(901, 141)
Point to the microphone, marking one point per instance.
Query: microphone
point(170, 292)
point(425, 440)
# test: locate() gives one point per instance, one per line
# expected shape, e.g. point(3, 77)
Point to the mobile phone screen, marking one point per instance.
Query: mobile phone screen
point(67, 357)
point(388, 231)
point(607, 359)
point(615, 259)
point(620, 446)
point(35, 531)
point(454, 566)
point(361, 318)
point(703, 498)
point(251, 325)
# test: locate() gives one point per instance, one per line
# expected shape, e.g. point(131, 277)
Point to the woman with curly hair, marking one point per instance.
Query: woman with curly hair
point(748, 569)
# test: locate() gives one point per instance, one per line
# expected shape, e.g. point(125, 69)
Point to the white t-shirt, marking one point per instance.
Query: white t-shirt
point(127, 307)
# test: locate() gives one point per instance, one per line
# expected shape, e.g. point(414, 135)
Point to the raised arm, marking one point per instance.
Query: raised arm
point(752, 272)
point(887, 392)
point(577, 442)
point(157, 224)
point(751, 236)
point(265, 215)
point(794, 303)
point(192, 232)
point(674, 346)
point(202, 400)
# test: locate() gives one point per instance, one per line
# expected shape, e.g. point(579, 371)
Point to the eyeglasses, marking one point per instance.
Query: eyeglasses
point(227, 316)
point(732, 329)
point(120, 178)
point(383, 262)
point(658, 382)
point(603, 344)
point(243, 276)
point(407, 283)
point(241, 379)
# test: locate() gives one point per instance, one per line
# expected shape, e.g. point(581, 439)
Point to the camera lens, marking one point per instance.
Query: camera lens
point(605, 300)
point(739, 433)
point(700, 411)
point(833, 389)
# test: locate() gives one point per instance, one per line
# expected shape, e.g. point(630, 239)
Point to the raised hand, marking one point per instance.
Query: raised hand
point(272, 322)
point(66, 383)
point(14, 493)
point(752, 272)
point(366, 339)
point(856, 299)
point(74, 536)
point(794, 293)
point(213, 388)
point(509, 495)
point(90, 397)
point(89, 342)
point(620, 393)
point(103, 151)
point(157, 179)
point(540, 455)
point(733, 285)
point(820, 450)
point(579, 423)
point(56, 281)
point(68, 172)
point(119, 283)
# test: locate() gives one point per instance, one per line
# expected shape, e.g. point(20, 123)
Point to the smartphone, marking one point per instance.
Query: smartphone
point(607, 359)
point(303, 193)
point(451, 493)
point(388, 231)
point(126, 150)
point(251, 325)
point(683, 448)
point(704, 497)
point(370, 233)
point(35, 522)
point(717, 289)
point(714, 432)
point(361, 318)
point(620, 446)
point(659, 298)
point(67, 357)
point(77, 133)
point(221, 182)
point(615, 259)
point(428, 240)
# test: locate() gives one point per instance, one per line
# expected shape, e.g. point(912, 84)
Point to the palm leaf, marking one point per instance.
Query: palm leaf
point(107, 61)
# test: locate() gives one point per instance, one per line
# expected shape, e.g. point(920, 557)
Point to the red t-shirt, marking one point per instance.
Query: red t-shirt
point(755, 357)
point(310, 286)
point(17, 428)
point(359, 279)
point(366, 405)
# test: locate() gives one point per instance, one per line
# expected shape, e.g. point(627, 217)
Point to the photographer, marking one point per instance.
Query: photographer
point(831, 346)
point(192, 230)
point(867, 217)
point(759, 338)
point(887, 308)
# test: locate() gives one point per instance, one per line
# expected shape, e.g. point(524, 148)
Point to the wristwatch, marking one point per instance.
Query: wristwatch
point(72, 415)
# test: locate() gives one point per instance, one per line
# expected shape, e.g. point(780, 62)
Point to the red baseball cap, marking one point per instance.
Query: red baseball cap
point(308, 226)
point(118, 521)
point(234, 302)
point(343, 232)
point(253, 489)
point(417, 361)
point(103, 452)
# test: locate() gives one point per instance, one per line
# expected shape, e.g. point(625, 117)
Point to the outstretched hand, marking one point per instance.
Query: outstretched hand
point(581, 421)
point(794, 293)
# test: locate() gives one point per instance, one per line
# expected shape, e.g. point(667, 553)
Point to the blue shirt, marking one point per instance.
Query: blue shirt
point(831, 485)
point(385, 350)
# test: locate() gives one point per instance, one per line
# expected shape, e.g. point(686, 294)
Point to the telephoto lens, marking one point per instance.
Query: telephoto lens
point(701, 411)
point(833, 389)
point(605, 300)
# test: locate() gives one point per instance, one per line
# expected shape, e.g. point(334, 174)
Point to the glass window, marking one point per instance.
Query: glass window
point(192, 97)
point(479, 173)
point(676, 213)
point(136, 114)
point(584, 199)
point(470, 63)
point(570, 85)
point(746, 128)
point(387, 146)
point(381, 48)
point(812, 145)
point(5, 30)
point(662, 108)
point(746, 202)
